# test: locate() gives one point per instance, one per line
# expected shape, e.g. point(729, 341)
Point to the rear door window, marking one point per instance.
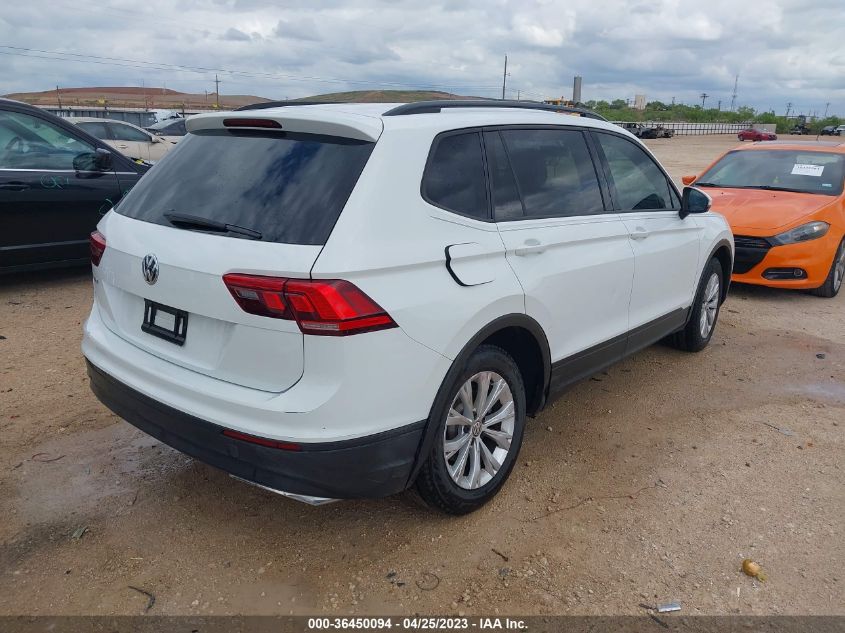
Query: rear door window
point(290, 188)
point(95, 128)
point(554, 173)
point(454, 177)
point(507, 204)
point(123, 132)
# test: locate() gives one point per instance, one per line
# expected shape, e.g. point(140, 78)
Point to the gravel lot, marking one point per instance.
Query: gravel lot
point(648, 483)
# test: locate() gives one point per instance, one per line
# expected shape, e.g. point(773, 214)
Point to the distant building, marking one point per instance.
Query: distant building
point(639, 102)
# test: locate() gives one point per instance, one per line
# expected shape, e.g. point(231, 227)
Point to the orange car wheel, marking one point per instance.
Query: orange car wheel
point(830, 287)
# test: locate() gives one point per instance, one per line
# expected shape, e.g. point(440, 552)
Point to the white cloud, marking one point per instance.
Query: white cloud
point(784, 50)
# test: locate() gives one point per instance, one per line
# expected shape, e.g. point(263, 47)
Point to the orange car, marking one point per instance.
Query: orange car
point(784, 201)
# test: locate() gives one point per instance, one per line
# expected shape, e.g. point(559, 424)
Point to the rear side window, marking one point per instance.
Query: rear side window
point(454, 177)
point(640, 184)
point(554, 172)
point(95, 128)
point(288, 187)
point(127, 133)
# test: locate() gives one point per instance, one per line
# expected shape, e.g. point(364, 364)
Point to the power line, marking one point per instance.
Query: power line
point(167, 67)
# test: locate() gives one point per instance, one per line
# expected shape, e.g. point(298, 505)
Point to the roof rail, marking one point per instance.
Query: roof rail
point(281, 104)
point(429, 107)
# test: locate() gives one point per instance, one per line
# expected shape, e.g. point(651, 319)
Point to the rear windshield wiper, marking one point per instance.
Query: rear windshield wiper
point(183, 220)
point(705, 184)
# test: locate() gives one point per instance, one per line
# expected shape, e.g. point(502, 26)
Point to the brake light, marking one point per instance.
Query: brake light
point(325, 307)
point(97, 244)
point(262, 441)
point(264, 123)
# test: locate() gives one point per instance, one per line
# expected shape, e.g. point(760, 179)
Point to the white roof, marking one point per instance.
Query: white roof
point(367, 121)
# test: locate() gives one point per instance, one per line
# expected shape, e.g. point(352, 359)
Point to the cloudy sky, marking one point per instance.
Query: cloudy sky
point(783, 50)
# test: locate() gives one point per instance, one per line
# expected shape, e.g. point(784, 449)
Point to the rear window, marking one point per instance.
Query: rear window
point(288, 187)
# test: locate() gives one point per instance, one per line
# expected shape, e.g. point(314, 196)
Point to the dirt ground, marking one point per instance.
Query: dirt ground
point(645, 484)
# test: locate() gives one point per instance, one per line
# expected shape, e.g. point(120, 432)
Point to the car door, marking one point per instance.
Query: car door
point(665, 245)
point(132, 142)
point(572, 256)
point(47, 207)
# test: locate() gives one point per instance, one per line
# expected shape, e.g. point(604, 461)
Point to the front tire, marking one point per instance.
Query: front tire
point(705, 310)
point(832, 284)
point(478, 421)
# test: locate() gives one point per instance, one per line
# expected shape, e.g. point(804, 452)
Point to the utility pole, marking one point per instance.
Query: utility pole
point(733, 96)
point(217, 90)
point(826, 106)
point(517, 95)
point(59, 98)
point(703, 96)
point(673, 101)
point(719, 107)
point(788, 108)
point(504, 77)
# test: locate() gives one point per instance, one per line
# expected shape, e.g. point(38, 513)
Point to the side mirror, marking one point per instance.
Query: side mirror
point(687, 180)
point(694, 201)
point(98, 160)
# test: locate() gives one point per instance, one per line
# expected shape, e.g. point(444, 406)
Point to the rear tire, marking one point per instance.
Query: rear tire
point(831, 286)
point(705, 310)
point(472, 455)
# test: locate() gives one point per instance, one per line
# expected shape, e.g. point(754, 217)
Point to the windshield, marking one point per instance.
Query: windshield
point(790, 170)
point(281, 187)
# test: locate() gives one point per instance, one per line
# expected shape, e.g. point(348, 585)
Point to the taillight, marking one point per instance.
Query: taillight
point(327, 307)
point(97, 244)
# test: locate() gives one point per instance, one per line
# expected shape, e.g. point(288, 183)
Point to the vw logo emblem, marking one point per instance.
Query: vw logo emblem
point(149, 268)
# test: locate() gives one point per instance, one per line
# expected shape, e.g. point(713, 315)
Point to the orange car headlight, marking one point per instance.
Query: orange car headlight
point(803, 233)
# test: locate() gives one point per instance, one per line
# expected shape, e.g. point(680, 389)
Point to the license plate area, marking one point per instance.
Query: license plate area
point(170, 324)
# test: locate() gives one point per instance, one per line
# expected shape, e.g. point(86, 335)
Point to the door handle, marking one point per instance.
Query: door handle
point(639, 233)
point(14, 186)
point(531, 247)
point(122, 146)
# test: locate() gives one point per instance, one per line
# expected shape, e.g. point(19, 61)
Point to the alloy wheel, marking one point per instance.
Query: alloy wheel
point(839, 270)
point(479, 430)
point(709, 305)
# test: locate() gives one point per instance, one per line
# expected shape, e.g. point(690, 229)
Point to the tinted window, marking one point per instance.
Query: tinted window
point(554, 172)
point(454, 178)
point(506, 202)
point(94, 128)
point(128, 133)
point(289, 187)
point(28, 142)
point(640, 184)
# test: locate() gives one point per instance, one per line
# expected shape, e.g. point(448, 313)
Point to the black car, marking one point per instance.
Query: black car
point(828, 130)
point(168, 127)
point(56, 182)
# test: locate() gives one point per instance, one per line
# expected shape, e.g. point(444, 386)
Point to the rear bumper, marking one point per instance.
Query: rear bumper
point(373, 466)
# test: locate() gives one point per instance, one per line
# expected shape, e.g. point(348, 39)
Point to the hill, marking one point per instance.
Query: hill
point(133, 97)
point(385, 96)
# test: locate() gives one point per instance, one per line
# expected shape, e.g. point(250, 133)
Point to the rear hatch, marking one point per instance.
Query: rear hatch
point(224, 200)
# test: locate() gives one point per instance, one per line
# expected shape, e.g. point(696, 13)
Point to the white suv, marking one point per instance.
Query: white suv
point(338, 301)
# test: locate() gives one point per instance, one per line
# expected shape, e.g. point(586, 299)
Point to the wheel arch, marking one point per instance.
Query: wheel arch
point(525, 340)
point(723, 253)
